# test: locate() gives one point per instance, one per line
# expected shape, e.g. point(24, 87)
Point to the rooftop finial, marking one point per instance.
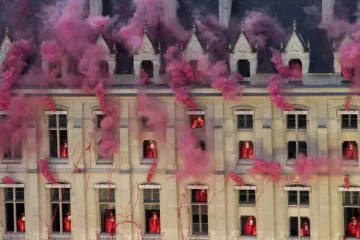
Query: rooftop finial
point(145, 27)
point(294, 25)
point(242, 26)
point(194, 27)
point(6, 29)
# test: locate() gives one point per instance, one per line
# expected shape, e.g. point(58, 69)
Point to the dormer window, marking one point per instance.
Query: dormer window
point(296, 66)
point(148, 67)
point(194, 66)
point(243, 67)
point(55, 69)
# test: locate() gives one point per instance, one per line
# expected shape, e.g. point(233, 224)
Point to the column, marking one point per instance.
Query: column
point(169, 204)
point(267, 131)
point(32, 206)
point(324, 207)
point(219, 203)
point(219, 136)
point(125, 195)
point(78, 206)
point(170, 136)
point(266, 211)
point(124, 158)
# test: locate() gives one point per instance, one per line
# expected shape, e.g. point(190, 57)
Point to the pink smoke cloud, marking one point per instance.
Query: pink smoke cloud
point(270, 168)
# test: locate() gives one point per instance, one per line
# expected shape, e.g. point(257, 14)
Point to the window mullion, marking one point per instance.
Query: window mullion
point(58, 136)
point(14, 211)
point(60, 216)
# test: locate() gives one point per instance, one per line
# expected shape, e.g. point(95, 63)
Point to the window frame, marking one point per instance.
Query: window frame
point(297, 153)
point(154, 204)
point(58, 129)
point(200, 205)
point(298, 188)
point(351, 190)
point(245, 113)
point(299, 224)
point(349, 114)
point(60, 202)
point(12, 159)
point(297, 113)
point(99, 160)
point(111, 203)
point(13, 202)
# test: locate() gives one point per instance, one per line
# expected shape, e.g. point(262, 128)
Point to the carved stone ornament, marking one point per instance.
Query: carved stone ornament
point(4, 48)
point(295, 47)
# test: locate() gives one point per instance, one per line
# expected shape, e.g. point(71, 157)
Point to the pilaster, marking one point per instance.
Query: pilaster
point(219, 203)
point(123, 208)
point(78, 207)
point(124, 155)
point(169, 202)
point(267, 131)
point(324, 207)
point(32, 206)
point(96, 7)
point(75, 138)
point(219, 136)
point(266, 210)
point(170, 136)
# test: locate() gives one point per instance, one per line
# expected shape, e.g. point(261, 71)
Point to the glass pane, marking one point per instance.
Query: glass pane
point(355, 197)
point(107, 212)
point(20, 212)
point(54, 194)
point(204, 228)
point(291, 122)
point(302, 121)
point(53, 143)
point(65, 193)
point(52, 121)
point(195, 209)
point(55, 217)
point(9, 210)
point(195, 218)
point(345, 121)
point(19, 192)
point(304, 198)
point(107, 195)
point(243, 196)
point(63, 136)
point(252, 198)
point(62, 121)
point(294, 228)
point(196, 228)
point(347, 198)
point(9, 194)
point(291, 149)
point(353, 121)
point(66, 210)
point(292, 197)
point(245, 121)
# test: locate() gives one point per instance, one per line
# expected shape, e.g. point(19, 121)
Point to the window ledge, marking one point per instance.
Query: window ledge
point(302, 238)
point(11, 236)
point(151, 236)
point(199, 237)
point(349, 129)
point(245, 161)
point(102, 161)
point(247, 237)
point(148, 161)
point(352, 163)
point(245, 129)
point(61, 236)
point(11, 161)
point(58, 161)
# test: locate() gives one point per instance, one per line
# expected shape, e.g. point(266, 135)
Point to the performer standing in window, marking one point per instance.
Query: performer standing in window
point(353, 228)
point(154, 223)
point(67, 222)
point(110, 224)
point(351, 151)
point(250, 227)
point(199, 122)
point(305, 230)
point(21, 223)
point(64, 150)
point(247, 150)
point(200, 195)
point(151, 150)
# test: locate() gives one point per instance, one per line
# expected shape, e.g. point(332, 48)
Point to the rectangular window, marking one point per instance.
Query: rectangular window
point(350, 198)
point(101, 160)
point(245, 121)
point(299, 227)
point(107, 210)
point(199, 212)
point(296, 121)
point(14, 210)
point(296, 148)
point(12, 151)
point(349, 121)
point(296, 198)
point(248, 226)
point(58, 136)
point(247, 197)
point(152, 211)
point(60, 209)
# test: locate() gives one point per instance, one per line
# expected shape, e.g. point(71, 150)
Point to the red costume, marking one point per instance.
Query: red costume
point(305, 230)
point(247, 151)
point(351, 151)
point(64, 150)
point(353, 228)
point(110, 224)
point(151, 151)
point(154, 223)
point(67, 222)
point(198, 123)
point(250, 227)
point(200, 195)
point(21, 223)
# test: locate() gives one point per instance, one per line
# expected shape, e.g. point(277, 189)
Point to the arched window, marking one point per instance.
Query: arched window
point(296, 66)
point(104, 69)
point(243, 67)
point(148, 67)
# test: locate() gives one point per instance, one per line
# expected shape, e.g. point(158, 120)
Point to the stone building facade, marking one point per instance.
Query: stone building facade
point(90, 187)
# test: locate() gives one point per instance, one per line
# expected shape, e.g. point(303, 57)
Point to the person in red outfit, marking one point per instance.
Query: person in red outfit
point(67, 222)
point(200, 195)
point(296, 69)
point(247, 151)
point(21, 223)
point(250, 227)
point(151, 150)
point(154, 223)
point(110, 224)
point(305, 230)
point(199, 122)
point(64, 150)
point(351, 151)
point(353, 228)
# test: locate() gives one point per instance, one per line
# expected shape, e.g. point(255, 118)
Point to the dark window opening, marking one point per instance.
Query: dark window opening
point(58, 136)
point(148, 67)
point(299, 230)
point(243, 67)
point(202, 145)
point(99, 118)
point(296, 66)
point(298, 121)
point(104, 69)
point(351, 222)
point(296, 148)
point(350, 150)
point(14, 151)
point(349, 121)
point(14, 210)
point(60, 209)
point(150, 149)
point(124, 61)
point(107, 210)
point(246, 150)
point(152, 211)
point(197, 121)
point(248, 226)
point(247, 197)
point(199, 196)
point(55, 69)
point(245, 121)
